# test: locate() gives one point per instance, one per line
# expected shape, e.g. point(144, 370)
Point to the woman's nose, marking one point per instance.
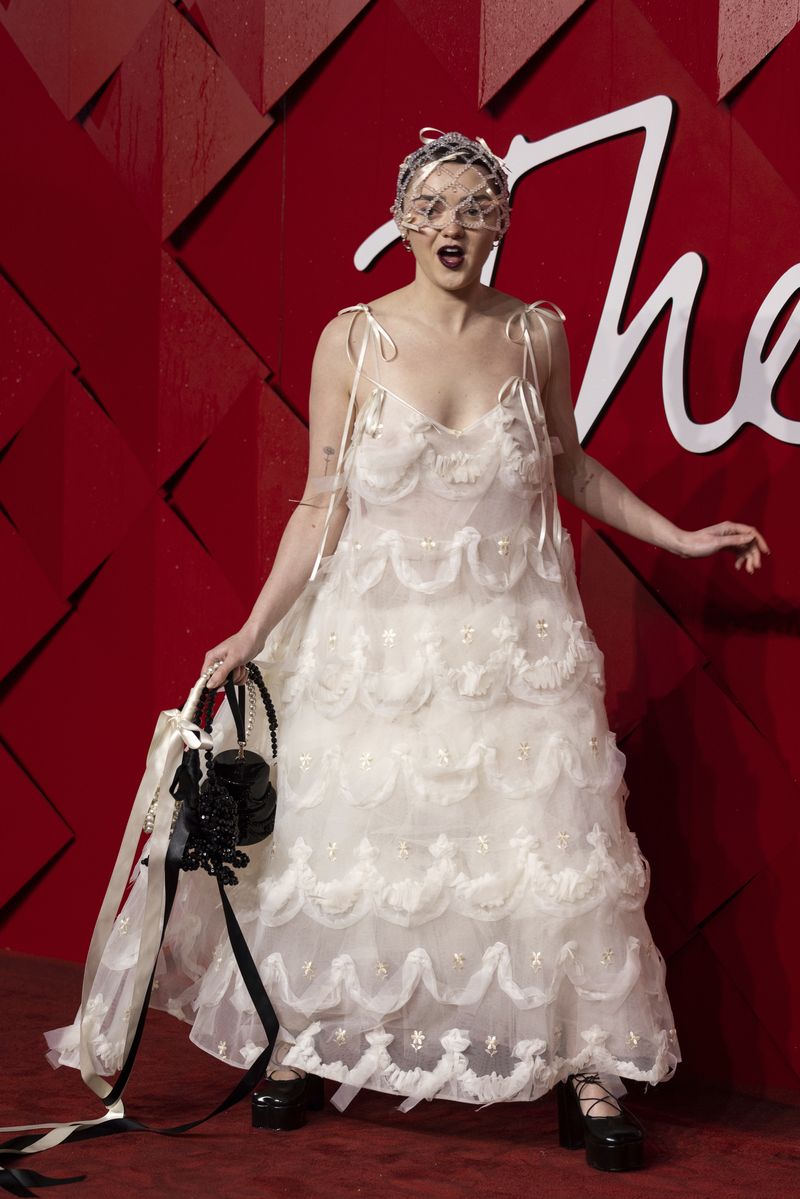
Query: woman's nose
point(453, 227)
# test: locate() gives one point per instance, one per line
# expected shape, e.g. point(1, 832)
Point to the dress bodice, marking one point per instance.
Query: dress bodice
point(424, 491)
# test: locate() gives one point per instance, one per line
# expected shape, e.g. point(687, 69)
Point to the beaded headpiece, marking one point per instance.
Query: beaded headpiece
point(485, 207)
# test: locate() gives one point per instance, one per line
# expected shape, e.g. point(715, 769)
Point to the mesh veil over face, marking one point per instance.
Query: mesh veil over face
point(468, 185)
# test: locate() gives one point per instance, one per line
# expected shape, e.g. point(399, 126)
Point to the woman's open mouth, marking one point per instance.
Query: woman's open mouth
point(451, 256)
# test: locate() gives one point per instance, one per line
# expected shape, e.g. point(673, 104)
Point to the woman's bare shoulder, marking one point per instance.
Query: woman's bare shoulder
point(334, 335)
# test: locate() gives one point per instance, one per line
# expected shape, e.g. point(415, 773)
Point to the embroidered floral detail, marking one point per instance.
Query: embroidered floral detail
point(340, 1036)
point(332, 850)
point(305, 761)
point(444, 757)
point(524, 751)
point(377, 431)
point(157, 984)
point(633, 1039)
point(124, 921)
point(389, 637)
point(467, 633)
point(219, 958)
point(541, 628)
point(536, 960)
point(557, 1032)
point(222, 1048)
point(417, 1037)
point(563, 840)
point(483, 843)
point(356, 545)
point(593, 745)
point(491, 1044)
point(428, 543)
point(308, 969)
point(671, 1033)
point(458, 961)
point(402, 851)
point(502, 545)
point(365, 761)
point(381, 969)
point(331, 641)
point(607, 957)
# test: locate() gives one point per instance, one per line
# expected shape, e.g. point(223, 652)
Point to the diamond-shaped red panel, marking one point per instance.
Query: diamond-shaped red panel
point(33, 831)
point(268, 46)
point(30, 604)
point(759, 926)
point(647, 653)
point(511, 33)
point(71, 484)
point(74, 45)
point(30, 362)
point(173, 121)
point(260, 450)
point(710, 799)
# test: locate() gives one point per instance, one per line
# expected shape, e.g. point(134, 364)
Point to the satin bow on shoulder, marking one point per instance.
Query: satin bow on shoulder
point(529, 393)
point(384, 349)
point(540, 309)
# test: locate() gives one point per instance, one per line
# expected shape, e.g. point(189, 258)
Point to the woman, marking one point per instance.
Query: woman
point(452, 902)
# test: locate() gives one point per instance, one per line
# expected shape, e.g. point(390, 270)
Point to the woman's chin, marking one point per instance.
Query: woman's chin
point(453, 280)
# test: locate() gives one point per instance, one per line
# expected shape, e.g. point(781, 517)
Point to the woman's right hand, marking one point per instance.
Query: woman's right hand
point(231, 655)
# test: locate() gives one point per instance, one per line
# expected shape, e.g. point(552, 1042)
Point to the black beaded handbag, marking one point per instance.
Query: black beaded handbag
point(236, 802)
point(234, 805)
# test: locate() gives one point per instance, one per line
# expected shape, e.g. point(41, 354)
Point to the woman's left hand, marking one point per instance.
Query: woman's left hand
point(743, 540)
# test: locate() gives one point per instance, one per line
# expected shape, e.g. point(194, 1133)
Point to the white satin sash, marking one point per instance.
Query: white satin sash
point(174, 730)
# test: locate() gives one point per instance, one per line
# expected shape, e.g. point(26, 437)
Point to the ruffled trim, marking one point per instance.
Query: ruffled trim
point(333, 686)
point(453, 1078)
point(423, 782)
point(527, 884)
point(382, 474)
point(365, 565)
point(341, 987)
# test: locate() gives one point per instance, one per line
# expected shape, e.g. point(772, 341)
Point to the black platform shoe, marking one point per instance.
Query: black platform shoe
point(280, 1103)
point(612, 1142)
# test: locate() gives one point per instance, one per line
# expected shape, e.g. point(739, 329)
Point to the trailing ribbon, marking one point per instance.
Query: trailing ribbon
point(531, 390)
point(174, 730)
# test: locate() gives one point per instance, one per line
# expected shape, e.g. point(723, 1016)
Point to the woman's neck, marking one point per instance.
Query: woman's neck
point(448, 310)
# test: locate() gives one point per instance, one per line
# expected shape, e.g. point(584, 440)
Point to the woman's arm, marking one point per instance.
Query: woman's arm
point(328, 398)
point(593, 488)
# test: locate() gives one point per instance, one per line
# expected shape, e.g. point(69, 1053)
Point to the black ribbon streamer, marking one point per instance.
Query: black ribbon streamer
point(18, 1181)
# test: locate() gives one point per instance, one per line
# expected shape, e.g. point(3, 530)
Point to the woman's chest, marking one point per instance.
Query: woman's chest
point(453, 384)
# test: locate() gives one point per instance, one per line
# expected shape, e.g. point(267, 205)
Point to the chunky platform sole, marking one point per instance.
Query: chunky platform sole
point(280, 1104)
point(612, 1143)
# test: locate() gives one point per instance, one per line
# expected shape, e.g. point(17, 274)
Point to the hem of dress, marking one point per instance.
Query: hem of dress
point(346, 1092)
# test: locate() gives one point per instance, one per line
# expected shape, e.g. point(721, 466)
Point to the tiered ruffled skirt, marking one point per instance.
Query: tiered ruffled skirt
point(452, 902)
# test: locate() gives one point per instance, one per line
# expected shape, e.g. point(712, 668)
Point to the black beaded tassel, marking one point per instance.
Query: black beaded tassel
point(212, 812)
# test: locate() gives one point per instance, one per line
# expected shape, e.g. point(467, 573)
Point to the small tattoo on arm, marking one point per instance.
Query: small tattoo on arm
point(328, 451)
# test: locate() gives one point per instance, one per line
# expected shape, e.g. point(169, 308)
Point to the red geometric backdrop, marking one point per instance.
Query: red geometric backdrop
point(184, 187)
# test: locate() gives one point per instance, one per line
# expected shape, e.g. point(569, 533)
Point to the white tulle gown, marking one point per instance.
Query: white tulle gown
point(451, 905)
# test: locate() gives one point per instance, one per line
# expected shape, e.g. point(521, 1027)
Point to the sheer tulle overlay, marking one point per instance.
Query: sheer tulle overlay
point(451, 904)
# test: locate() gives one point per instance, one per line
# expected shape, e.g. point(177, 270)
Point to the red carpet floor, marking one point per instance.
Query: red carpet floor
point(700, 1142)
